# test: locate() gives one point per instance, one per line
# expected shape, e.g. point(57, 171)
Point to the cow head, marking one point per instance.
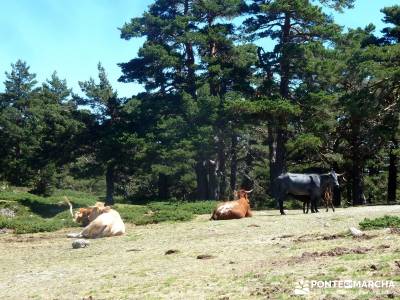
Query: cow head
point(334, 178)
point(82, 215)
point(87, 215)
point(243, 194)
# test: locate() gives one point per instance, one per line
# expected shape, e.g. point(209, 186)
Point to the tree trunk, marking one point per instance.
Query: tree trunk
point(233, 178)
point(191, 76)
point(357, 184)
point(110, 177)
point(277, 135)
point(284, 63)
point(337, 197)
point(212, 180)
point(163, 189)
point(277, 154)
point(221, 166)
point(357, 161)
point(349, 191)
point(202, 182)
point(392, 178)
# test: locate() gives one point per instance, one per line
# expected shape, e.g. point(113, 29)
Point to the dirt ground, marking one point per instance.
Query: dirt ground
point(265, 257)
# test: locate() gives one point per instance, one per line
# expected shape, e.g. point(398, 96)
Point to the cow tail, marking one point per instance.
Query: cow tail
point(70, 206)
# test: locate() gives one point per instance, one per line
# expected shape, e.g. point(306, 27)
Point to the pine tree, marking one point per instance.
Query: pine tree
point(291, 25)
point(39, 126)
point(190, 63)
point(55, 126)
point(19, 88)
point(369, 89)
point(112, 137)
point(105, 133)
point(392, 17)
point(392, 37)
point(166, 66)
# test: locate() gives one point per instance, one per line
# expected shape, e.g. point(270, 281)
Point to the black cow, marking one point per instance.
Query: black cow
point(310, 185)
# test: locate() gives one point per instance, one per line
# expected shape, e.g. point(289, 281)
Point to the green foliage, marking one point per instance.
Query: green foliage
point(279, 108)
point(303, 145)
point(32, 224)
point(40, 127)
point(217, 113)
point(379, 223)
point(392, 16)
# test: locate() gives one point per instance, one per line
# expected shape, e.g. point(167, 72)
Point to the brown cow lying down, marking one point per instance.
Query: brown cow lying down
point(100, 221)
point(233, 209)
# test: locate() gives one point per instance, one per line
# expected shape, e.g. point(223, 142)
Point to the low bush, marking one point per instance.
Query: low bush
point(382, 222)
point(33, 224)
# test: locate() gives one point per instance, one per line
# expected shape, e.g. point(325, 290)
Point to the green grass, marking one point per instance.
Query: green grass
point(157, 212)
point(382, 222)
point(39, 214)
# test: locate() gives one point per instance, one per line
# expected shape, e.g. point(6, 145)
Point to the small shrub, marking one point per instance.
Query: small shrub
point(382, 222)
point(198, 207)
point(33, 224)
point(164, 211)
point(172, 215)
point(136, 214)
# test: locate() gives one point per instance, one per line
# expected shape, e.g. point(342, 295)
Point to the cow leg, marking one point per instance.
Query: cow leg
point(74, 235)
point(306, 203)
point(249, 214)
point(333, 207)
point(93, 231)
point(313, 204)
point(281, 206)
point(316, 204)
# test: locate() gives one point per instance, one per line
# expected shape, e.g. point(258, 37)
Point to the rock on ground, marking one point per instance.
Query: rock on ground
point(80, 243)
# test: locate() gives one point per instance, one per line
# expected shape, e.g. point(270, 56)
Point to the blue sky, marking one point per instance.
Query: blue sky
point(71, 37)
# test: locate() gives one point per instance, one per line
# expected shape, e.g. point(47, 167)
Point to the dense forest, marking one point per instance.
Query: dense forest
point(237, 92)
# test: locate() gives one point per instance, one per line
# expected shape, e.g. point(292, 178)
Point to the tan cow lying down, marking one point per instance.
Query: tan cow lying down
point(233, 209)
point(100, 221)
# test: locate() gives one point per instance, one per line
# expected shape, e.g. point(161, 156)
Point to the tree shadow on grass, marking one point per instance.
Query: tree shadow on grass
point(44, 210)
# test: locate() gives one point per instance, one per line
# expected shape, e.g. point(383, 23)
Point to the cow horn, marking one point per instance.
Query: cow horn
point(341, 174)
point(248, 192)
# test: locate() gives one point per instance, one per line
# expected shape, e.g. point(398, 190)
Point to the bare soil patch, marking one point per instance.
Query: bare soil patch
point(338, 251)
point(171, 251)
point(205, 256)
